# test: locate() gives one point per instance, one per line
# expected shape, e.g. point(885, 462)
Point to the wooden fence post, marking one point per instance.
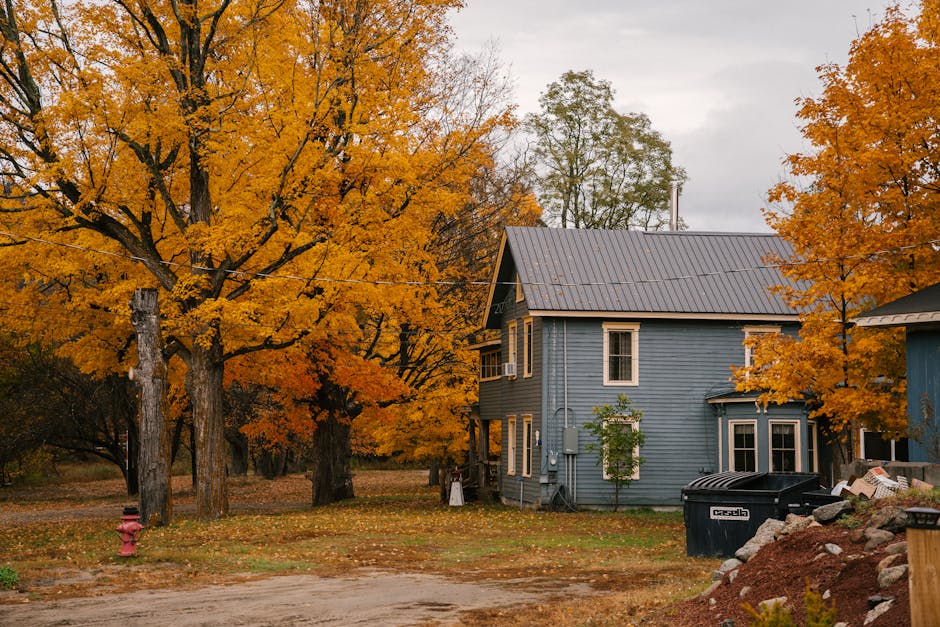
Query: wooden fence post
point(923, 557)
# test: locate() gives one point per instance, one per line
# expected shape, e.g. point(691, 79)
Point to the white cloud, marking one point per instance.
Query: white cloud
point(718, 78)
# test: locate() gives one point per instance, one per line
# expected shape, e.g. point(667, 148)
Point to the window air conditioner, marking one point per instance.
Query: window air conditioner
point(509, 369)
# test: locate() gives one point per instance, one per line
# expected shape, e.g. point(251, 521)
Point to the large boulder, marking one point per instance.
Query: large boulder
point(831, 512)
point(766, 534)
point(876, 538)
point(890, 518)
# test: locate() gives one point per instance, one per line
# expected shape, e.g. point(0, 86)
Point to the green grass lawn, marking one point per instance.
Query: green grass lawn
point(397, 523)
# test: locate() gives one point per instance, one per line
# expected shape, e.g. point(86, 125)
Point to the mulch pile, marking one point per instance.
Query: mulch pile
point(785, 568)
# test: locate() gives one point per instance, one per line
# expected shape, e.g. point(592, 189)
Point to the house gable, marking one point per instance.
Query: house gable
point(661, 317)
point(621, 274)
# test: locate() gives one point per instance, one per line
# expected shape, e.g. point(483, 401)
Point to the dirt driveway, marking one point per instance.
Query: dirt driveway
point(374, 598)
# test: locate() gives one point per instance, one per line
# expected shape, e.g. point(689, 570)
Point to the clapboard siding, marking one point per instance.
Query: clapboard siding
point(680, 362)
point(519, 397)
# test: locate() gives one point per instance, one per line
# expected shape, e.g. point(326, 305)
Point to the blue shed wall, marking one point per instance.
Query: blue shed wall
point(923, 382)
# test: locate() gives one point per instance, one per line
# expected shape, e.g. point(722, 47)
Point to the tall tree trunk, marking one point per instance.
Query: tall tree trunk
point(270, 463)
point(154, 467)
point(238, 451)
point(132, 456)
point(330, 471)
point(204, 383)
point(433, 477)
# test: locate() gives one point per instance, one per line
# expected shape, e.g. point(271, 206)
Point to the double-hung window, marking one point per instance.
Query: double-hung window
point(812, 461)
point(784, 446)
point(527, 347)
point(490, 364)
point(630, 426)
point(513, 353)
point(743, 438)
point(510, 445)
point(621, 342)
point(527, 446)
point(755, 331)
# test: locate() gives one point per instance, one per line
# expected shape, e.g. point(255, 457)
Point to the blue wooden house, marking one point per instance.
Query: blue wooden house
point(919, 314)
point(586, 315)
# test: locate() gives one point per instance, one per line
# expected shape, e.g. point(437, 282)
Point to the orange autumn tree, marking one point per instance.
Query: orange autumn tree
point(433, 426)
point(273, 167)
point(862, 213)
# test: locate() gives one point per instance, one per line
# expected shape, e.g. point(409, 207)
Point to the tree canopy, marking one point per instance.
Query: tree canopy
point(597, 168)
point(863, 214)
point(275, 168)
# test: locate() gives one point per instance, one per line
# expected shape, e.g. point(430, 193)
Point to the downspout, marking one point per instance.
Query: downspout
point(570, 464)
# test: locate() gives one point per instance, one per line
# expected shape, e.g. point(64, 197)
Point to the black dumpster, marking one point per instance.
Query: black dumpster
point(723, 510)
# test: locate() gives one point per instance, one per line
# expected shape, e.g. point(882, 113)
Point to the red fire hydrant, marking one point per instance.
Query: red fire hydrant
point(129, 528)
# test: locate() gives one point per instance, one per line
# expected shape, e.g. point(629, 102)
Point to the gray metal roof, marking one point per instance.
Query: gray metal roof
point(920, 307)
point(587, 270)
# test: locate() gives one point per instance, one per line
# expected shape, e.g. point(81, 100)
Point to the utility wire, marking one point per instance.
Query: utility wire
point(321, 279)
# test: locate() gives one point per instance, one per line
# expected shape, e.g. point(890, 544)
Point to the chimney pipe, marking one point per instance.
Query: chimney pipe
point(674, 208)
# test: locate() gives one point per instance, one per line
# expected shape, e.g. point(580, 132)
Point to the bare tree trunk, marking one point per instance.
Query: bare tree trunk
point(270, 463)
point(154, 467)
point(204, 383)
point(238, 451)
point(433, 478)
point(131, 472)
point(330, 472)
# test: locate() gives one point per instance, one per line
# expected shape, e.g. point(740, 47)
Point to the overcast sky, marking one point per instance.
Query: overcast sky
point(718, 78)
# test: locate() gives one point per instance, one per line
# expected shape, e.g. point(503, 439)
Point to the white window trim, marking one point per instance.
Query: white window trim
point(731, 449)
point(527, 445)
point(754, 329)
point(721, 444)
point(861, 444)
point(812, 436)
point(634, 328)
point(510, 445)
point(513, 352)
point(797, 453)
point(636, 450)
point(528, 331)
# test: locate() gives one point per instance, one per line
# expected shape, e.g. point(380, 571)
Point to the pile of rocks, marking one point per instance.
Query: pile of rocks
point(878, 535)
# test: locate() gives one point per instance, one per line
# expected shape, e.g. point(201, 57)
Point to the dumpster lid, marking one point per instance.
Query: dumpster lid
point(727, 479)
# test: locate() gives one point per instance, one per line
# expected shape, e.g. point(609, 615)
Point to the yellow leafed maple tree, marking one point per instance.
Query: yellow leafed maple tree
point(275, 168)
point(862, 212)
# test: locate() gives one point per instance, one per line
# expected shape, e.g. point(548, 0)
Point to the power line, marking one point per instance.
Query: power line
point(451, 283)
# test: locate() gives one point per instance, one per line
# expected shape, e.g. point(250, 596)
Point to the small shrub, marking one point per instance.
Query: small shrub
point(818, 612)
point(8, 578)
point(773, 615)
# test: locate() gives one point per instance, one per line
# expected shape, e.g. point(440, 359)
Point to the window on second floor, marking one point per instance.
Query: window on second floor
point(527, 347)
point(755, 331)
point(491, 364)
point(513, 354)
point(621, 364)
